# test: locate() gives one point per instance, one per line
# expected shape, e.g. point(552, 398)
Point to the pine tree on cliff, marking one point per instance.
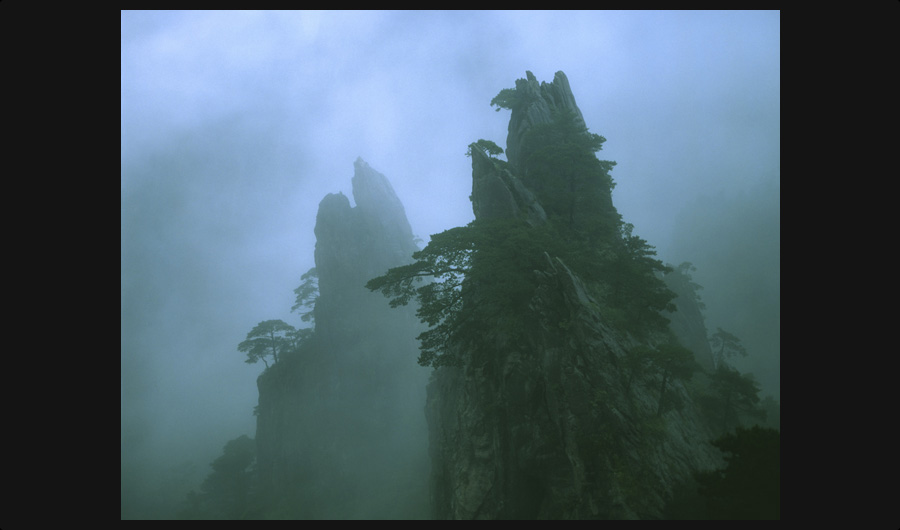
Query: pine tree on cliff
point(481, 275)
point(269, 337)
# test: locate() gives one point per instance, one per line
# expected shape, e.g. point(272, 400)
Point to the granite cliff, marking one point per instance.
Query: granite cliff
point(547, 423)
point(548, 405)
point(340, 430)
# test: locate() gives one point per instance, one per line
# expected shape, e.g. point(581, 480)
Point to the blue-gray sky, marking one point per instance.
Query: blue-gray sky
point(236, 124)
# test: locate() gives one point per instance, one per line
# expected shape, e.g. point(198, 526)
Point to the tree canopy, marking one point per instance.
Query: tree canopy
point(307, 295)
point(482, 275)
point(671, 361)
point(725, 345)
point(467, 280)
point(508, 98)
point(749, 486)
point(733, 394)
point(269, 337)
point(487, 146)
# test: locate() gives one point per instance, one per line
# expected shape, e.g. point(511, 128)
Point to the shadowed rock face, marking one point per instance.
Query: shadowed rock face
point(340, 430)
point(498, 194)
point(541, 424)
point(382, 217)
point(354, 245)
point(538, 102)
point(687, 322)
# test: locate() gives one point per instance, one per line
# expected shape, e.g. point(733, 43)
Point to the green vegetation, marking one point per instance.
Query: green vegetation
point(575, 189)
point(571, 183)
point(270, 337)
point(671, 361)
point(725, 345)
point(732, 395)
point(749, 487)
point(487, 146)
point(668, 361)
point(307, 295)
point(508, 98)
point(481, 276)
point(466, 281)
point(680, 276)
point(633, 284)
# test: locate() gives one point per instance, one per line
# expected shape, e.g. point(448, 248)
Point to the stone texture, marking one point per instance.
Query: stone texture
point(538, 103)
point(541, 425)
point(341, 432)
point(497, 193)
point(546, 429)
point(687, 322)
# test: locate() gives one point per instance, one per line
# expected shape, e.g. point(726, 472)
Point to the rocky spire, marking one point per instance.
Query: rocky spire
point(382, 216)
point(497, 193)
point(340, 430)
point(355, 244)
point(536, 105)
point(544, 422)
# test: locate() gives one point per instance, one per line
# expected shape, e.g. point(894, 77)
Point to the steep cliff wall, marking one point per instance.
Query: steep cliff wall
point(687, 322)
point(537, 104)
point(546, 423)
point(340, 429)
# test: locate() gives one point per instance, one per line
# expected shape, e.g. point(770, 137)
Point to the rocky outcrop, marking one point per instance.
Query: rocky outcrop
point(340, 429)
point(687, 321)
point(546, 423)
point(354, 245)
point(497, 193)
point(536, 105)
point(547, 430)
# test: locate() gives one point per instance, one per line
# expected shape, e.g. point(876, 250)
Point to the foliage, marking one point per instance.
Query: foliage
point(270, 337)
point(444, 262)
point(572, 185)
point(575, 190)
point(671, 361)
point(481, 277)
point(508, 98)
point(307, 295)
point(634, 285)
point(487, 146)
point(680, 276)
point(635, 365)
point(732, 394)
point(749, 487)
point(725, 345)
point(465, 279)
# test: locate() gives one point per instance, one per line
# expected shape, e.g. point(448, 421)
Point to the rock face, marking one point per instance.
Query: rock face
point(340, 431)
point(538, 102)
point(354, 245)
point(544, 426)
point(497, 193)
point(687, 321)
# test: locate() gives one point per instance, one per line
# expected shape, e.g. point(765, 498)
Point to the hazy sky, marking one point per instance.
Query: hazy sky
point(236, 124)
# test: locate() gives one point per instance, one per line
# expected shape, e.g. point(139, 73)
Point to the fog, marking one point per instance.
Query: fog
point(236, 124)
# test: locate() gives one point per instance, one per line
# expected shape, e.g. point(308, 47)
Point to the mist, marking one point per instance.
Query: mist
point(236, 124)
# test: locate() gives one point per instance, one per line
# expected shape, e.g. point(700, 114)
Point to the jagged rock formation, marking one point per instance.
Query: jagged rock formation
point(687, 321)
point(340, 430)
point(354, 245)
point(497, 193)
point(543, 424)
point(539, 102)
